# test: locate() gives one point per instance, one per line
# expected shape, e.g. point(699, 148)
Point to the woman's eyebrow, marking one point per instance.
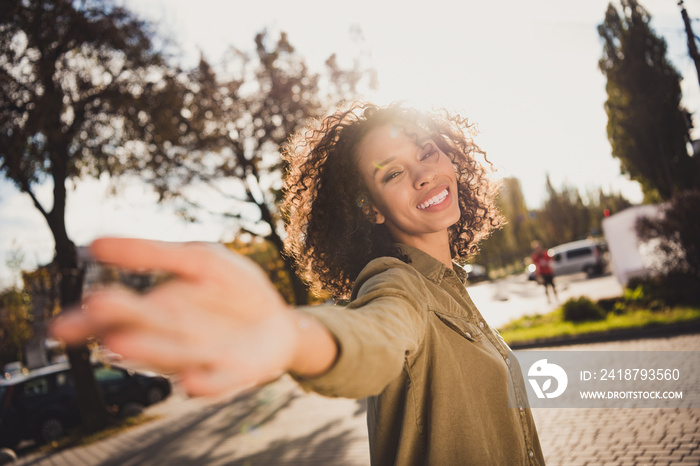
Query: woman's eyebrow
point(381, 165)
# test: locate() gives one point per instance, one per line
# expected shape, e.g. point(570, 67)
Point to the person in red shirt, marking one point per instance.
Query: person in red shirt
point(543, 270)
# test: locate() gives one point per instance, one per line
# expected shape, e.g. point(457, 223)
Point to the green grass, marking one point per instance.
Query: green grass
point(552, 325)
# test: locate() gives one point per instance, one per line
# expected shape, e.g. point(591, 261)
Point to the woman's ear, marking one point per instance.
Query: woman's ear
point(378, 216)
point(369, 210)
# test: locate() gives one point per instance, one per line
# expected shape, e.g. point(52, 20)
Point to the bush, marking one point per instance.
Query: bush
point(671, 289)
point(610, 304)
point(676, 235)
point(582, 309)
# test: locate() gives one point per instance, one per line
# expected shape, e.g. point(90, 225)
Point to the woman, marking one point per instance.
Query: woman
point(380, 202)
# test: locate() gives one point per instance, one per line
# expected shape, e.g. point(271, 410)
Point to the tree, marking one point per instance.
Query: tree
point(251, 106)
point(15, 324)
point(15, 318)
point(512, 204)
point(692, 39)
point(510, 243)
point(84, 92)
point(564, 217)
point(647, 127)
point(268, 257)
point(675, 236)
point(602, 204)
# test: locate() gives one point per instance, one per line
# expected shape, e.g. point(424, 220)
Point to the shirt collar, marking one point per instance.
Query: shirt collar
point(431, 268)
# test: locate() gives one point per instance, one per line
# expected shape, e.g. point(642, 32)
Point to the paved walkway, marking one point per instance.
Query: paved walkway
point(281, 425)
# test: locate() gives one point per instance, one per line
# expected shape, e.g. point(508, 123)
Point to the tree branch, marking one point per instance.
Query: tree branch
point(230, 196)
point(25, 186)
point(200, 207)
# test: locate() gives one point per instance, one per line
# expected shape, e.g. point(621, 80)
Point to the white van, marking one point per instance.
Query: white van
point(579, 256)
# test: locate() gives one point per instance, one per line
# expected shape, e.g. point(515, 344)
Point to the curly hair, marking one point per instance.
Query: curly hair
point(330, 235)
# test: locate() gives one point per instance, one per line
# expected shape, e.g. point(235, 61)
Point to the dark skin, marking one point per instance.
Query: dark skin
point(406, 175)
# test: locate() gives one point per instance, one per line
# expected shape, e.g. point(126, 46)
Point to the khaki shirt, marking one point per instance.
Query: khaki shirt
point(438, 379)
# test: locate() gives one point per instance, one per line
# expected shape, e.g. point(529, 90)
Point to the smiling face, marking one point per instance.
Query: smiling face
point(411, 183)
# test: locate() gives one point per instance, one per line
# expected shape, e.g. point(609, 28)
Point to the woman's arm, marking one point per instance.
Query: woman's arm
point(376, 333)
point(219, 322)
point(317, 349)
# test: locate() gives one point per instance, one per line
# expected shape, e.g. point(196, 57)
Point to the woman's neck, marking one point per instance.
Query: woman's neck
point(436, 245)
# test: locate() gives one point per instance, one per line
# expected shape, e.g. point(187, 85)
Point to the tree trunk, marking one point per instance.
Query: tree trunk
point(301, 291)
point(692, 46)
point(93, 412)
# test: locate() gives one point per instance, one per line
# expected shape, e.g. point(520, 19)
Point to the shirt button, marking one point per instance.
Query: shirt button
point(532, 453)
point(481, 324)
point(521, 408)
point(508, 361)
point(469, 335)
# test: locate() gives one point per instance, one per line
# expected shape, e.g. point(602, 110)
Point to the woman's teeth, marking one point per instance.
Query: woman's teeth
point(434, 200)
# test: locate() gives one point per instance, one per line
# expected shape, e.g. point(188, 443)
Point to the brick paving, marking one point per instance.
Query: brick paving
point(281, 425)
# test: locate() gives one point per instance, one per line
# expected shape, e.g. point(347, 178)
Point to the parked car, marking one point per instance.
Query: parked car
point(476, 272)
point(43, 404)
point(12, 369)
point(579, 256)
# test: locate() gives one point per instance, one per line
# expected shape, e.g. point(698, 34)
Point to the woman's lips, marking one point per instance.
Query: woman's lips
point(434, 199)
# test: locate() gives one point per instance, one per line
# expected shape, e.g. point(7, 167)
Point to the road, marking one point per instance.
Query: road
point(503, 300)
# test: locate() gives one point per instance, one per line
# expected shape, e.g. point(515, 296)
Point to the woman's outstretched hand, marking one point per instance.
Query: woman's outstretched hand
point(219, 322)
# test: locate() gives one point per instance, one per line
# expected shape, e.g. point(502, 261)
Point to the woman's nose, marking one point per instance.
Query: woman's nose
point(423, 176)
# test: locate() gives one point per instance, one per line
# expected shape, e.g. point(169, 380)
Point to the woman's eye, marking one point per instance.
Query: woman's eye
point(391, 176)
point(429, 151)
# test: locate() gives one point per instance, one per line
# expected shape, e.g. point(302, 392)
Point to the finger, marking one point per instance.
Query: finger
point(156, 351)
point(115, 306)
point(71, 327)
point(188, 260)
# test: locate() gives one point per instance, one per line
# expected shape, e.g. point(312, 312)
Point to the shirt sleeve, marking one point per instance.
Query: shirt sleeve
point(374, 333)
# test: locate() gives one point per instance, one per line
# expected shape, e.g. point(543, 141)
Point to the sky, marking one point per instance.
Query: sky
point(525, 72)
